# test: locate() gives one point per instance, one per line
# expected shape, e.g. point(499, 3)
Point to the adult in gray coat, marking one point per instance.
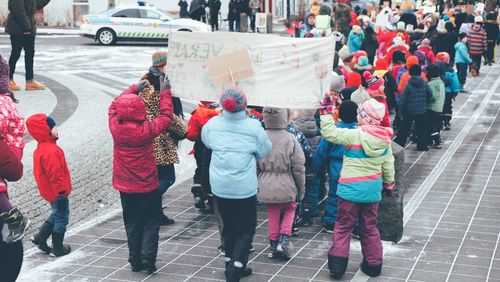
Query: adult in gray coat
point(22, 29)
point(281, 180)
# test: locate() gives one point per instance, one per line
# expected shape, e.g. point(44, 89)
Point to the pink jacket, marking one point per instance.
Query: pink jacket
point(134, 166)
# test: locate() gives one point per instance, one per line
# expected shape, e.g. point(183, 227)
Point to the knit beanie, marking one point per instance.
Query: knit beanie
point(398, 57)
point(348, 111)
point(371, 112)
point(410, 61)
point(353, 79)
point(422, 58)
point(425, 41)
point(415, 70)
point(233, 99)
point(51, 122)
point(443, 57)
point(358, 54)
point(344, 52)
point(363, 61)
point(374, 82)
point(432, 71)
point(359, 96)
point(4, 76)
point(159, 58)
point(337, 82)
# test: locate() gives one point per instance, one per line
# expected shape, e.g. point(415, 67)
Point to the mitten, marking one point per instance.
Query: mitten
point(327, 105)
point(141, 85)
point(386, 193)
point(164, 83)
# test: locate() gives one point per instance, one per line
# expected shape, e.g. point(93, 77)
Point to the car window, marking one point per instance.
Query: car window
point(147, 14)
point(128, 13)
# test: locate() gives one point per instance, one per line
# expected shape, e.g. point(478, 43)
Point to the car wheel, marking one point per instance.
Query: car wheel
point(106, 36)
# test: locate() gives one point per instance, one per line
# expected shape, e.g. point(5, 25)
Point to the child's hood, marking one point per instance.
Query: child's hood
point(130, 107)
point(39, 129)
point(375, 139)
point(275, 118)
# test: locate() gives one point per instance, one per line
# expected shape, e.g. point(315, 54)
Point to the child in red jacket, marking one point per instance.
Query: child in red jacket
point(54, 183)
point(376, 90)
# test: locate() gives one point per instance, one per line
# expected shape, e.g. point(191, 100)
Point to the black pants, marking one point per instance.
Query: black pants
point(141, 213)
point(448, 108)
point(420, 128)
point(476, 60)
point(434, 126)
point(214, 20)
point(462, 73)
point(252, 22)
point(490, 52)
point(240, 220)
point(18, 43)
point(11, 259)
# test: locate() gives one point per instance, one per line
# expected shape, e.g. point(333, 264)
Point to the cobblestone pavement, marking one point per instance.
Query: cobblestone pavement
point(452, 195)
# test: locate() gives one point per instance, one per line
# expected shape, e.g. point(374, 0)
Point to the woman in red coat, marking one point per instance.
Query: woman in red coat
point(134, 170)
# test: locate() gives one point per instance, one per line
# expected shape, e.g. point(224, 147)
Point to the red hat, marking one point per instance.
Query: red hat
point(380, 65)
point(358, 54)
point(374, 82)
point(410, 61)
point(443, 57)
point(353, 79)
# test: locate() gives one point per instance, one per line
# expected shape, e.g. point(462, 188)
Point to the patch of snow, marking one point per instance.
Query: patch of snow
point(67, 31)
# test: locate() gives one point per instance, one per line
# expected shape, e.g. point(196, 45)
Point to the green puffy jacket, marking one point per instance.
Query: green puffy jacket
point(21, 17)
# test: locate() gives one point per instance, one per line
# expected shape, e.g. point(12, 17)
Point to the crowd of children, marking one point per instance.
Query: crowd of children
point(411, 65)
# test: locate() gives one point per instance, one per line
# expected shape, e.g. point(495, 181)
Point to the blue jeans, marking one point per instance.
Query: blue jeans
point(60, 214)
point(166, 176)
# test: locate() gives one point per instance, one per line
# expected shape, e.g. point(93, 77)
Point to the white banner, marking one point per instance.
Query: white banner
point(283, 71)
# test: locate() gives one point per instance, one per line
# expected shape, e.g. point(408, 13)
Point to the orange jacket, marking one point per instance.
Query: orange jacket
point(199, 118)
point(404, 79)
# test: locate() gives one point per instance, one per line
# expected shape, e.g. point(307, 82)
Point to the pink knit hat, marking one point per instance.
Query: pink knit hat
point(371, 112)
point(374, 82)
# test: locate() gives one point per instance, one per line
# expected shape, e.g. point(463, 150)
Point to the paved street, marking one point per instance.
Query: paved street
point(452, 195)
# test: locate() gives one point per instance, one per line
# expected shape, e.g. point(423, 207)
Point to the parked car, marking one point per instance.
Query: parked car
point(135, 24)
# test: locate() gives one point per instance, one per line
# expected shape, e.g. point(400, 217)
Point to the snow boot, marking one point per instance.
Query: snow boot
point(306, 218)
point(371, 270)
point(165, 220)
point(337, 266)
point(273, 252)
point(17, 224)
point(40, 239)
point(150, 267)
point(199, 203)
point(209, 206)
point(58, 248)
point(284, 247)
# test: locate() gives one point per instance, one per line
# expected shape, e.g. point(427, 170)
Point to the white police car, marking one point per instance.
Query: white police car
point(135, 24)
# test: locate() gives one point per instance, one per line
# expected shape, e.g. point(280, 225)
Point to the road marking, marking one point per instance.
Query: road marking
point(474, 215)
point(454, 193)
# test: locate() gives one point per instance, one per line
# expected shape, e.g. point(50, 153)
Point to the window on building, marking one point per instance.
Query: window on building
point(147, 14)
point(128, 13)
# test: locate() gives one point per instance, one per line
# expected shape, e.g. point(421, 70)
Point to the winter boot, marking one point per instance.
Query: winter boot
point(337, 266)
point(58, 248)
point(165, 220)
point(209, 206)
point(40, 239)
point(232, 273)
point(34, 85)
point(199, 203)
point(18, 224)
point(13, 86)
point(328, 228)
point(136, 266)
point(273, 252)
point(149, 266)
point(371, 270)
point(284, 247)
point(306, 218)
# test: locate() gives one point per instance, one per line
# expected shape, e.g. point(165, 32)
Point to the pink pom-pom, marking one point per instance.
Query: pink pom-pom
point(229, 104)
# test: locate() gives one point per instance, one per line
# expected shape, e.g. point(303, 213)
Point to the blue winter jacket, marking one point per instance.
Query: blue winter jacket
point(354, 42)
point(462, 54)
point(331, 154)
point(237, 142)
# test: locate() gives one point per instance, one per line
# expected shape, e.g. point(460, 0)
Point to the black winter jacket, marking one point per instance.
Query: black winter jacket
point(21, 17)
point(415, 97)
point(492, 30)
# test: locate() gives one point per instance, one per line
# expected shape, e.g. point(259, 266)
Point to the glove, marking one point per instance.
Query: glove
point(141, 85)
point(164, 83)
point(386, 193)
point(327, 105)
